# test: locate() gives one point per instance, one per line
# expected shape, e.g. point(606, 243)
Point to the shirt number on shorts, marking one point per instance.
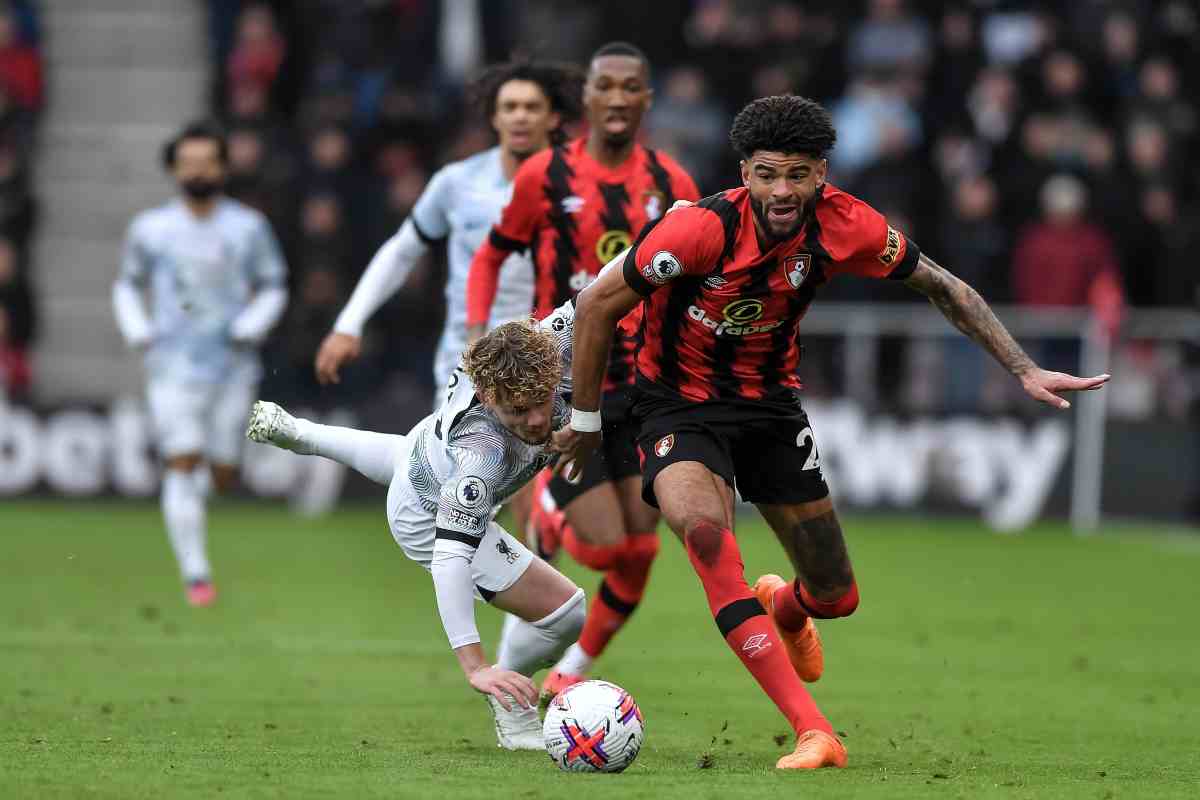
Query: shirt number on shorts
point(814, 459)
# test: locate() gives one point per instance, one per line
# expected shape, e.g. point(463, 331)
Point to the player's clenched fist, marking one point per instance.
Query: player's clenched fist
point(336, 350)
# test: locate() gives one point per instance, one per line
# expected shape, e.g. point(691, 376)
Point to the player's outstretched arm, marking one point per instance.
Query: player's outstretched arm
point(598, 309)
point(971, 314)
point(389, 269)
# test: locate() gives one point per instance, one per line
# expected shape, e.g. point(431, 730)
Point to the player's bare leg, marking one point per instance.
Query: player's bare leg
point(224, 477)
point(183, 498)
point(698, 505)
point(824, 586)
point(611, 529)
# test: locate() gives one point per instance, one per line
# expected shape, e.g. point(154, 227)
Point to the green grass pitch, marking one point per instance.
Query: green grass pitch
point(977, 666)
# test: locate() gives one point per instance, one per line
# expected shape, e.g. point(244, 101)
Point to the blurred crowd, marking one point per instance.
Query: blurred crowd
point(21, 98)
point(1047, 152)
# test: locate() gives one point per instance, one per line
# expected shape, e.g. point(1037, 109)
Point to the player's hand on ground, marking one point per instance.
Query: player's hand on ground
point(336, 350)
point(504, 685)
point(1044, 386)
point(574, 447)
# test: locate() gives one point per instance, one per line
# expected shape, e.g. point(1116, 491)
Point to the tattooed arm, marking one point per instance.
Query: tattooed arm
point(963, 306)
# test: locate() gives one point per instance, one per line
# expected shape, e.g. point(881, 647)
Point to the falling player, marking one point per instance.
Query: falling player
point(526, 103)
point(217, 286)
point(578, 205)
point(489, 438)
point(724, 285)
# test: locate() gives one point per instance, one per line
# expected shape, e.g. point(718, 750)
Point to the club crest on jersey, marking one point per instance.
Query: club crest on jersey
point(610, 245)
point(470, 492)
point(664, 445)
point(572, 204)
point(653, 203)
point(888, 255)
point(663, 268)
point(797, 267)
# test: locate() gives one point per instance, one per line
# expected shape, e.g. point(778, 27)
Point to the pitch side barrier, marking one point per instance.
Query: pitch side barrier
point(947, 430)
point(1004, 454)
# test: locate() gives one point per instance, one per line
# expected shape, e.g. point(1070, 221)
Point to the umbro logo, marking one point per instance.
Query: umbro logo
point(715, 281)
point(572, 204)
point(756, 644)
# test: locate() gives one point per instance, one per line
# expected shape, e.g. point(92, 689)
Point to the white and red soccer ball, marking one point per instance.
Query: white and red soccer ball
point(593, 726)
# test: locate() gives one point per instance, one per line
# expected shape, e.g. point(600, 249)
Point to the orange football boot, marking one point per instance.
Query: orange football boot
point(555, 682)
point(803, 646)
point(815, 749)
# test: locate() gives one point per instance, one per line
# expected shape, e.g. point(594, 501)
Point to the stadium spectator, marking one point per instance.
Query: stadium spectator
point(1065, 259)
point(20, 64)
point(16, 325)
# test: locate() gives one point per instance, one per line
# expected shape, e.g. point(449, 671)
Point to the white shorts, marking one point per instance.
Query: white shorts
point(205, 418)
point(498, 563)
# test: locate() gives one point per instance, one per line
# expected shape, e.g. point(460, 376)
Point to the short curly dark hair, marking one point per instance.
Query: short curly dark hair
point(784, 123)
point(561, 82)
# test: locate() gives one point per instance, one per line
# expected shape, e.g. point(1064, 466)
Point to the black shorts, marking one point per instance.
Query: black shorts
point(764, 449)
point(616, 457)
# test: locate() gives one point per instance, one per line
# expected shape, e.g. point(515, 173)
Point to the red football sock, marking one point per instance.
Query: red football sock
point(748, 631)
point(598, 557)
point(794, 605)
point(620, 592)
point(788, 612)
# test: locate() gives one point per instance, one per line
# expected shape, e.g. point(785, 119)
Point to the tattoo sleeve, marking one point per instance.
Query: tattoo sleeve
point(963, 306)
point(820, 551)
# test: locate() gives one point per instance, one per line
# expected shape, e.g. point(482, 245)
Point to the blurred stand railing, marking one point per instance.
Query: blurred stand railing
point(862, 327)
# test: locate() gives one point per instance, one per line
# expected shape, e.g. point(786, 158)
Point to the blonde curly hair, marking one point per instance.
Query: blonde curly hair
point(517, 363)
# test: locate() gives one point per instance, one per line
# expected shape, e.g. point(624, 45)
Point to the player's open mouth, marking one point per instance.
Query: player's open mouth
point(783, 214)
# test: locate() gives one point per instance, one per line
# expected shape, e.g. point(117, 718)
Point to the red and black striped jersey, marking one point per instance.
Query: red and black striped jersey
point(575, 215)
point(721, 314)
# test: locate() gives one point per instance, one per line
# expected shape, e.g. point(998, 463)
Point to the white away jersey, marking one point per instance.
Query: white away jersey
point(462, 462)
point(460, 204)
point(201, 273)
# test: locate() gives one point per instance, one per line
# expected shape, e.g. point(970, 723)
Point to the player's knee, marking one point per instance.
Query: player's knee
point(842, 605)
point(703, 538)
point(565, 622)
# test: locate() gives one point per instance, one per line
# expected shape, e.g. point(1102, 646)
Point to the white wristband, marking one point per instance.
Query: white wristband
point(585, 421)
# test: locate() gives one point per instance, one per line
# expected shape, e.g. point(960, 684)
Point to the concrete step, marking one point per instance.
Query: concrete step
point(143, 38)
point(120, 96)
point(114, 153)
point(77, 267)
point(95, 209)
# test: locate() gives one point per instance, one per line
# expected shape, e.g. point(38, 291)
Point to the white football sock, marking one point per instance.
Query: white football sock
point(575, 661)
point(526, 647)
point(183, 510)
point(373, 454)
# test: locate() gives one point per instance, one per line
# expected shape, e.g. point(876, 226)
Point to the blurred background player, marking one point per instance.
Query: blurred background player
point(527, 103)
point(579, 205)
point(725, 284)
point(487, 441)
point(217, 285)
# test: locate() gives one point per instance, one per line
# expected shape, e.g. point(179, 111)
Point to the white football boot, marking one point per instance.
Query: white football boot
point(270, 424)
point(519, 729)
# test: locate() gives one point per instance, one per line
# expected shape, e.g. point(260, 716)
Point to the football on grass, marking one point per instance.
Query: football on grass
point(593, 726)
